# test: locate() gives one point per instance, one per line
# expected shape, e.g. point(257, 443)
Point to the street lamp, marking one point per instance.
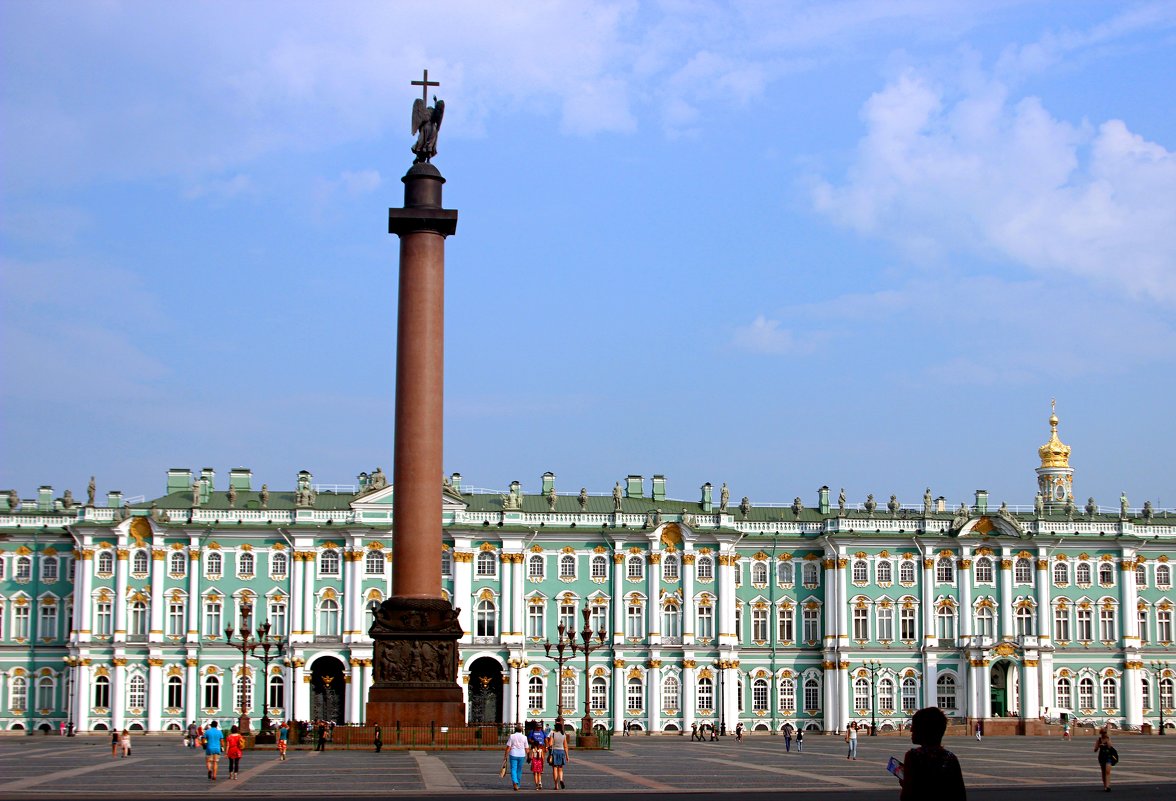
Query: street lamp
point(565, 642)
point(248, 646)
point(72, 663)
point(1158, 668)
point(721, 665)
point(518, 664)
point(873, 666)
point(587, 648)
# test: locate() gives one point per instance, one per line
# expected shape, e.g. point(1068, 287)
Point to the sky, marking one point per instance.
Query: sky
point(780, 245)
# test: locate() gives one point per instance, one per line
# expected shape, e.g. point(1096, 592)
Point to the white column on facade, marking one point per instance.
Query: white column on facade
point(653, 611)
point(463, 563)
point(653, 675)
point(1128, 611)
point(366, 685)
point(842, 605)
point(193, 594)
point(727, 601)
point(621, 714)
point(308, 597)
point(618, 605)
point(930, 676)
point(1132, 692)
point(831, 600)
point(1045, 670)
point(517, 606)
point(355, 600)
point(829, 691)
point(155, 691)
point(297, 625)
point(730, 689)
point(506, 598)
point(689, 692)
point(844, 696)
point(976, 688)
point(1006, 595)
point(965, 579)
point(158, 571)
point(349, 592)
point(355, 691)
point(191, 690)
point(1030, 695)
point(82, 696)
point(118, 694)
point(120, 596)
point(83, 603)
point(1044, 628)
point(689, 619)
point(928, 588)
point(300, 692)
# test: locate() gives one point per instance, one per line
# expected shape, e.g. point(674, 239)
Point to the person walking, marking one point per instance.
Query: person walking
point(560, 755)
point(714, 732)
point(979, 732)
point(537, 766)
point(234, 750)
point(693, 731)
point(114, 743)
point(213, 742)
point(787, 737)
point(739, 732)
point(378, 739)
point(1108, 757)
point(851, 735)
point(930, 772)
point(124, 740)
point(320, 737)
point(516, 754)
point(283, 740)
point(1066, 730)
point(190, 741)
point(800, 741)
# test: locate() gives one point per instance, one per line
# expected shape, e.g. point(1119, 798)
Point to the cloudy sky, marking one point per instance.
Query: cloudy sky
point(777, 244)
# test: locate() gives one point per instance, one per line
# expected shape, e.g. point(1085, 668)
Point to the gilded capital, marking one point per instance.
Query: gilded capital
point(157, 554)
point(688, 558)
point(191, 662)
point(122, 554)
point(618, 663)
point(155, 662)
point(689, 664)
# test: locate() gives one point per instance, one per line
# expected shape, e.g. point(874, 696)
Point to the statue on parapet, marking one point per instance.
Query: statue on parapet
point(927, 502)
point(1038, 504)
point(617, 496)
point(841, 503)
point(91, 489)
point(724, 497)
point(1123, 506)
point(583, 498)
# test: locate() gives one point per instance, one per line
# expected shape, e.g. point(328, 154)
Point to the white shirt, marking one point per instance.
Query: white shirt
point(517, 743)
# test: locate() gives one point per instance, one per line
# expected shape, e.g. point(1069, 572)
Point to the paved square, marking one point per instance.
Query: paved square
point(1006, 767)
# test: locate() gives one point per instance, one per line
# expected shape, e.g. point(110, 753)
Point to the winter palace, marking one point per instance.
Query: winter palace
point(813, 614)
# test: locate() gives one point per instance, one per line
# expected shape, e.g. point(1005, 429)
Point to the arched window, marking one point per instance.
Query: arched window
point(1062, 623)
point(139, 562)
point(45, 693)
point(211, 692)
point(177, 563)
point(861, 571)
point(861, 694)
point(787, 693)
point(535, 567)
point(102, 692)
point(137, 692)
point(759, 573)
point(1082, 573)
point(1164, 576)
point(487, 564)
point(1141, 576)
point(329, 562)
point(812, 694)
point(706, 695)
point(599, 694)
point(810, 574)
point(671, 691)
point(18, 700)
point(945, 691)
point(670, 567)
point(759, 695)
point(634, 695)
point(137, 626)
point(945, 622)
point(886, 693)
point(910, 694)
point(567, 694)
point(944, 570)
point(1061, 573)
point(635, 567)
point(447, 564)
point(245, 564)
point(49, 569)
point(705, 568)
point(175, 692)
point(535, 693)
point(278, 563)
point(1110, 693)
point(885, 572)
point(214, 565)
point(671, 621)
point(486, 619)
point(374, 561)
point(1086, 692)
point(599, 567)
point(1166, 693)
point(1106, 574)
point(1023, 571)
point(567, 566)
point(24, 568)
point(784, 573)
point(983, 570)
point(328, 618)
point(105, 563)
point(1024, 621)
point(985, 622)
point(1065, 692)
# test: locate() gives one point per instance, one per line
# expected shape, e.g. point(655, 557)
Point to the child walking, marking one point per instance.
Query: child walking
point(537, 767)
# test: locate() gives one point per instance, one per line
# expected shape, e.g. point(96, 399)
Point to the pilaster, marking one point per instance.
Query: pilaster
point(622, 713)
point(1006, 594)
point(463, 568)
point(120, 595)
point(158, 573)
point(191, 689)
point(155, 691)
point(194, 599)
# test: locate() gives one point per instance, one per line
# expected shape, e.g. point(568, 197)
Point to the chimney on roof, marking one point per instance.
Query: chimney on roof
point(114, 499)
point(44, 498)
point(823, 499)
point(659, 488)
point(548, 482)
point(207, 478)
point(635, 486)
point(982, 502)
point(179, 479)
point(240, 478)
point(707, 503)
point(455, 480)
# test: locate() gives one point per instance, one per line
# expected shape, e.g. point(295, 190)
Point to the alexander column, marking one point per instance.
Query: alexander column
point(416, 630)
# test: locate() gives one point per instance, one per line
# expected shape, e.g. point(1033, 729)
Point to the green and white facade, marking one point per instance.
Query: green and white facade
point(113, 615)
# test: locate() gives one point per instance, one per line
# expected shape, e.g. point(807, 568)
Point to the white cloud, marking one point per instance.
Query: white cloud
point(766, 336)
point(982, 173)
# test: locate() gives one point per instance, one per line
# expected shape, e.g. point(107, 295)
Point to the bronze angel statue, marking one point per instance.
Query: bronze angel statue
point(426, 121)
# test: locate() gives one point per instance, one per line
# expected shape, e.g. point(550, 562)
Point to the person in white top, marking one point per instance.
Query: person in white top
point(516, 752)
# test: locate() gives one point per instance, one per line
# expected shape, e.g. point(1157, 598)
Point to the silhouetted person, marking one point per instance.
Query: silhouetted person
point(930, 772)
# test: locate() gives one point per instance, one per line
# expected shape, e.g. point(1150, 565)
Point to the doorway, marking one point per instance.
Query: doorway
point(328, 690)
point(1003, 688)
point(486, 687)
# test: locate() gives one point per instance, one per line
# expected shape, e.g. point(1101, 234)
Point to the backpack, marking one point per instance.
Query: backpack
point(1112, 756)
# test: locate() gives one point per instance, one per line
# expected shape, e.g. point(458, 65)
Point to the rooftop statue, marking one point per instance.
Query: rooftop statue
point(724, 497)
point(841, 502)
point(426, 121)
point(617, 495)
point(91, 488)
point(583, 498)
point(927, 501)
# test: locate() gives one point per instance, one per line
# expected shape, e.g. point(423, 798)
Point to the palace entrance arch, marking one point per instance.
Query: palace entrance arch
point(1004, 688)
point(486, 689)
point(328, 689)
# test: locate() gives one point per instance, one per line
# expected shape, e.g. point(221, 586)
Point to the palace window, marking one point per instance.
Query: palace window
point(634, 620)
point(706, 695)
point(567, 566)
point(48, 624)
point(787, 694)
point(1023, 620)
point(738, 622)
point(945, 691)
point(759, 625)
point(885, 572)
point(861, 623)
point(1023, 571)
point(671, 690)
point(1141, 576)
point(759, 573)
point(861, 694)
point(244, 692)
point(1106, 574)
point(329, 562)
point(137, 625)
point(885, 623)
point(670, 567)
point(945, 622)
point(487, 565)
point(535, 692)
point(328, 618)
point(1061, 574)
point(706, 622)
point(599, 567)
point(906, 572)
point(910, 694)
point(634, 695)
point(212, 692)
point(567, 617)
point(598, 620)
point(175, 619)
point(213, 565)
point(277, 618)
point(1082, 573)
point(671, 621)
point(486, 620)
point(907, 629)
point(1062, 624)
point(861, 571)
point(1065, 690)
point(1164, 625)
point(177, 564)
point(212, 618)
point(812, 693)
point(20, 622)
point(599, 693)
point(535, 567)
point(175, 692)
point(1110, 693)
point(535, 621)
point(886, 693)
point(1145, 693)
point(446, 564)
point(810, 574)
point(635, 567)
point(567, 693)
point(105, 564)
point(49, 569)
point(1166, 693)
point(983, 570)
point(139, 563)
point(278, 564)
point(1085, 625)
point(985, 622)
point(24, 568)
point(1143, 626)
point(245, 565)
point(1106, 624)
point(944, 570)
point(137, 692)
point(102, 692)
point(277, 692)
point(374, 561)
point(811, 624)
point(784, 573)
point(705, 568)
point(19, 694)
point(1086, 693)
point(785, 626)
point(759, 695)
point(1164, 576)
point(103, 619)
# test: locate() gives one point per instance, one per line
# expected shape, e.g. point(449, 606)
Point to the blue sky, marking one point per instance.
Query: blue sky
point(778, 244)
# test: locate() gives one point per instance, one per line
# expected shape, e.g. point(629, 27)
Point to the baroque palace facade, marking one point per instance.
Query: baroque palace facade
point(113, 615)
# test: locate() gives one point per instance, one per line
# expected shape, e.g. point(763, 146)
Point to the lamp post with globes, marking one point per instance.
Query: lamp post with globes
point(518, 664)
point(565, 651)
point(1159, 667)
point(873, 665)
point(721, 666)
point(586, 648)
point(248, 645)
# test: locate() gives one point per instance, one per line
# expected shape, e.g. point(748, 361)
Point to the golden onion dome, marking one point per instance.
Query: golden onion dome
point(1054, 453)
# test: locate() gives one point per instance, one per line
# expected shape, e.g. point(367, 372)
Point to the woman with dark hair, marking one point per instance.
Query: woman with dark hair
point(1107, 757)
point(234, 750)
point(560, 755)
point(930, 772)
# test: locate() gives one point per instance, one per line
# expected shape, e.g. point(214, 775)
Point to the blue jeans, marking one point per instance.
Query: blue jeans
point(516, 769)
point(852, 748)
